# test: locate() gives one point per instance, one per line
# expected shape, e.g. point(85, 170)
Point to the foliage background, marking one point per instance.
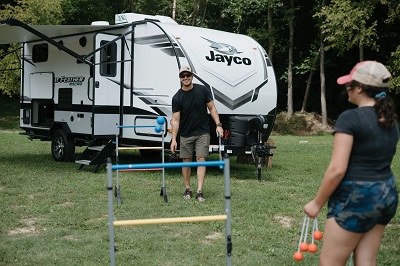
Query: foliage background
point(348, 26)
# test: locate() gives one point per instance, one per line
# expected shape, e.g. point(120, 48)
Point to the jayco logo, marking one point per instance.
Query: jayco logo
point(226, 54)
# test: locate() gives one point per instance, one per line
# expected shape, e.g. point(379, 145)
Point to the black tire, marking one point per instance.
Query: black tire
point(62, 148)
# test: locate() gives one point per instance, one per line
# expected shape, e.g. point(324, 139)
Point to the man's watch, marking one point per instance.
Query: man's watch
point(219, 125)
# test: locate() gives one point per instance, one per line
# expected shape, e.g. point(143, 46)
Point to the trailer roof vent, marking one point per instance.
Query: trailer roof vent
point(100, 23)
point(126, 18)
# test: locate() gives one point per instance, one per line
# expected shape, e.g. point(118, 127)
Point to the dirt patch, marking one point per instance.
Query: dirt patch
point(96, 220)
point(214, 235)
point(29, 228)
point(285, 221)
point(315, 122)
point(71, 237)
point(301, 124)
point(66, 204)
point(211, 237)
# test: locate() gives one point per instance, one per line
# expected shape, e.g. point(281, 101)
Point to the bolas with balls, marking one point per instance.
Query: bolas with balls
point(158, 129)
point(312, 248)
point(317, 235)
point(160, 120)
point(303, 246)
point(298, 256)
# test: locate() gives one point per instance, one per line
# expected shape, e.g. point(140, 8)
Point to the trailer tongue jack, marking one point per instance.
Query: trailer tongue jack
point(261, 152)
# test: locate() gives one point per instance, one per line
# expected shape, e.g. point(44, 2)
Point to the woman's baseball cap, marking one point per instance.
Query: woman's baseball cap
point(370, 73)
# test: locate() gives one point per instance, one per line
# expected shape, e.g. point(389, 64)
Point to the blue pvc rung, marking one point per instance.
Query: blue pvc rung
point(221, 164)
point(133, 126)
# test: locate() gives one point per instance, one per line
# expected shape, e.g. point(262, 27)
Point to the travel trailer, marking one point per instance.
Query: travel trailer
point(79, 82)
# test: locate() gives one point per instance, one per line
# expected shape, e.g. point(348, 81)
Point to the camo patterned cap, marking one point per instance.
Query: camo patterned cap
point(185, 69)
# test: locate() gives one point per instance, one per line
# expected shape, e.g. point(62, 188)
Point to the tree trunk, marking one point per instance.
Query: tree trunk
point(310, 77)
point(271, 36)
point(324, 113)
point(204, 12)
point(290, 67)
point(173, 9)
point(133, 6)
point(361, 51)
point(307, 93)
point(195, 12)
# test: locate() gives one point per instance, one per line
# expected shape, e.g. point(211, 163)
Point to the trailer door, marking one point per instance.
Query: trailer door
point(107, 85)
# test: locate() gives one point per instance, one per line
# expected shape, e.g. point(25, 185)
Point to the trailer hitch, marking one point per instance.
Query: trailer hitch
point(260, 152)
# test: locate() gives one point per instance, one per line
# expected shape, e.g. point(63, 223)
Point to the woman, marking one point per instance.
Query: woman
point(359, 182)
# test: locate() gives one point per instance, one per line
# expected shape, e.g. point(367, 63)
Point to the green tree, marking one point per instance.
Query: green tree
point(348, 24)
point(32, 12)
point(84, 12)
point(394, 62)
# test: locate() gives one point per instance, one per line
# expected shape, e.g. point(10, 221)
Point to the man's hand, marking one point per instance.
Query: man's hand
point(173, 146)
point(219, 131)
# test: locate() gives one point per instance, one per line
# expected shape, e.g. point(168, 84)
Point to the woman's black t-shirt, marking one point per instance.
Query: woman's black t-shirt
point(373, 145)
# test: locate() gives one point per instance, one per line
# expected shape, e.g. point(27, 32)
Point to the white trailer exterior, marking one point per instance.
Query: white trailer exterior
point(79, 82)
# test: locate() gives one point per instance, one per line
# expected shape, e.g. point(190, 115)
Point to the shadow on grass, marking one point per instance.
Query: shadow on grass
point(25, 162)
point(240, 171)
point(37, 161)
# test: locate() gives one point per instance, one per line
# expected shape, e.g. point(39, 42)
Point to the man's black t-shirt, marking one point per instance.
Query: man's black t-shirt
point(192, 106)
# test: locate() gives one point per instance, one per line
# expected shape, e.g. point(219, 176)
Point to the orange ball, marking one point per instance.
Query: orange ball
point(317, 235)
point(303, 246)
point(312, 248)
point(298, 256)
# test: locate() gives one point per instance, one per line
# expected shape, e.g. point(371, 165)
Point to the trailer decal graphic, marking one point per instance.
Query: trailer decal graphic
point(72, 81)
point(234, 104)
point(223, 48)
point(160, 42)
point(227, 51)
point(147, 100)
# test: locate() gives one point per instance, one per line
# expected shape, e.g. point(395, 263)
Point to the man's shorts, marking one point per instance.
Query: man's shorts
point(199, 143)
point(358, 206)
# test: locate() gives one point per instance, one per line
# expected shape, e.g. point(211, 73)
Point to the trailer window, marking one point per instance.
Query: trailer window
point(40, 52)
point(108, 59)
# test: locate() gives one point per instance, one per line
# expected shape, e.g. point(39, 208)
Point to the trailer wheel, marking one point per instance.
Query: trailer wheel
point(62, 148)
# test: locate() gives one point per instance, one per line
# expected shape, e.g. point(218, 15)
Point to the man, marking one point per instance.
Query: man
point(190, 118)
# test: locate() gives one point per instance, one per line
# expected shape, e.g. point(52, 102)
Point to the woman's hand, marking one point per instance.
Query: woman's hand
point(312, 209)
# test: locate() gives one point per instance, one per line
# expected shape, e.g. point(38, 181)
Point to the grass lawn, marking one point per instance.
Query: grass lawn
point(54, 214)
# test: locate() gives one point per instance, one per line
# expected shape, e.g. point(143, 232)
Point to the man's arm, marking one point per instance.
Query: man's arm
point(214, 114)
point(175, 128)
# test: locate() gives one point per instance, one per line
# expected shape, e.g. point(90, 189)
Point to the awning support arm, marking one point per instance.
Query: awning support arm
point(15, 22)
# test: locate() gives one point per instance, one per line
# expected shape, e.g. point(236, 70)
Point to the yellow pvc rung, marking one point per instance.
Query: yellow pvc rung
point(139, 148)
point(191, 219)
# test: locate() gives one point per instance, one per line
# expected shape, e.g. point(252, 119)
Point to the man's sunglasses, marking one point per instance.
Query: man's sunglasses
point(185, 75)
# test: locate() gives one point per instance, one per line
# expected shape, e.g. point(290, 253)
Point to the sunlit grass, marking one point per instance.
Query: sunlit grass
point(54, 214)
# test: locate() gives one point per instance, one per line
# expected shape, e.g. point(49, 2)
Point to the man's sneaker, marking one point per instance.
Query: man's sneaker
point(187, 194)
point(200, 197)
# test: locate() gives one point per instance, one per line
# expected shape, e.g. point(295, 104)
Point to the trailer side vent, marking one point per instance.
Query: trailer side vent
point(65, 99)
